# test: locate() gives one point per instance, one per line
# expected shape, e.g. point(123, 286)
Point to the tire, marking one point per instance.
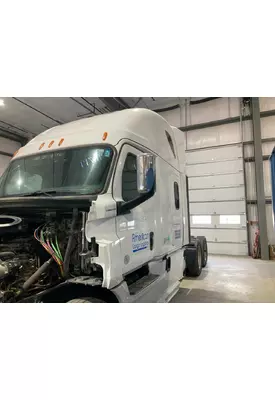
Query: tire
point(204, 247)
point(193, 259)
point(86, 300)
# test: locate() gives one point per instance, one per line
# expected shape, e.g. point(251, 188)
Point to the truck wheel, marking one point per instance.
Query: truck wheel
point(193, 259)
point(86, 300)
point(204, 247)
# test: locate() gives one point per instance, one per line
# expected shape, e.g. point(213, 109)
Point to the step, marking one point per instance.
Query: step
point(142, 283)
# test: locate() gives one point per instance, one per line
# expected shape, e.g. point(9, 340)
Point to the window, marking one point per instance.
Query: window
point(201, 219)
point(171, 144)
point(129, 178)
point(230, 219)
point(76, 170)
point(177, 195)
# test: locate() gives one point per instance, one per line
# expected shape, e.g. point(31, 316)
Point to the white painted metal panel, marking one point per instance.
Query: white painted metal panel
point(9, 146)
point(215, 168)
point(247, 130)
point(238, 249)
point(219, 181)
point(268, 147)
point(222, 235)
point(267, 178)
point(4, 161)
point(214, 136)
point(216, 184)
point(221, 208)
point(268, 127)
point(250, 180)
point(267, 103)
point(212, 155)
point(235, 193)
point(173, 117)
point(248, 150)
point(213, 110)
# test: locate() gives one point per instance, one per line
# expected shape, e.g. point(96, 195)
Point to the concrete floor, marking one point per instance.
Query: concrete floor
point(228, 279)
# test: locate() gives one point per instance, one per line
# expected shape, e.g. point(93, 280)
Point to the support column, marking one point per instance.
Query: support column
point(256, 122)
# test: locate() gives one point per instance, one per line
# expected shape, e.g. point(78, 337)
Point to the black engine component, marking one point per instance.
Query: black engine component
point(21, 256)
point(26, 243)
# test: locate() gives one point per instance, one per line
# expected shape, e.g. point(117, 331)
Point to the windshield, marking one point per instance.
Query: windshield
point(78, 170)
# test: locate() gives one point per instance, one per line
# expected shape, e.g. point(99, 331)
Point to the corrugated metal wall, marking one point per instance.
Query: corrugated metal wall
point(221, 140)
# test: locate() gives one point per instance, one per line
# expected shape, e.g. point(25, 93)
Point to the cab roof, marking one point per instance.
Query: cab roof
point(140, 125)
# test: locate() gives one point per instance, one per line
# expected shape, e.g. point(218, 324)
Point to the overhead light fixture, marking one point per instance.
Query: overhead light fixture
point(2, 103)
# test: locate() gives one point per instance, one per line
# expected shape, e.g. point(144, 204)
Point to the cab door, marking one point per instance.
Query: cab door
point(136, 228)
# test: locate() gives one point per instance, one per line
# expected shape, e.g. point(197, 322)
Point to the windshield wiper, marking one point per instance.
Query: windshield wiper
point(40, 193)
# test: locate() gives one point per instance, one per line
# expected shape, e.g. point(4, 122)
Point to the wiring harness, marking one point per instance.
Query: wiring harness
point(50, 243)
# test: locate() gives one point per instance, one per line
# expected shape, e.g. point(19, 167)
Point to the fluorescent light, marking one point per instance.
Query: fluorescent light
point(2, 103)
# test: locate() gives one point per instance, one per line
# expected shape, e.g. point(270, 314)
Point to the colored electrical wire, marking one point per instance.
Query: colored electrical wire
point(56, 255)
point(58, 248)
point(55, 249)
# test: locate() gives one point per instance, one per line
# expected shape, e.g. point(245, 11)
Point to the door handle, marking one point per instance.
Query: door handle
point(168, 264)
point(151, 240)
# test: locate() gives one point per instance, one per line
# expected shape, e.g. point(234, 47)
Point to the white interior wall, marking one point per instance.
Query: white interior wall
point(230, 134)
point(267, 103)
point(7, 146)
point(174, 117)
point(213, 110)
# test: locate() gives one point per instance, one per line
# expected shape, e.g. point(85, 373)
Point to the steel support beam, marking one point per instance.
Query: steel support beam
point(260, 192)
point(114, 103)
point(4, 153)
point(254, 202)
point(232, 120)
point(252, 159)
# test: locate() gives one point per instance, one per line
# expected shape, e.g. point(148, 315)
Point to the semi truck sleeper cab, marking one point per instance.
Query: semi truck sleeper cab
point(97, 210)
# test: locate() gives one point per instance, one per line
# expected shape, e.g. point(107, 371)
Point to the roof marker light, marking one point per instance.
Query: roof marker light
point(105, 135)
point(51, 143)
point(60, 142)
point(42, 145)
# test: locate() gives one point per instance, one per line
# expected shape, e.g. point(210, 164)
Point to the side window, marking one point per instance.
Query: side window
point(177, 195)
point(171, 144)
point(129, 178)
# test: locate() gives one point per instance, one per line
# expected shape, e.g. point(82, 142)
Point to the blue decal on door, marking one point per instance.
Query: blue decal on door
point(140, 241)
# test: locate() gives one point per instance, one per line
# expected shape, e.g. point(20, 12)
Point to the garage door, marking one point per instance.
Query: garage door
point(217, 198)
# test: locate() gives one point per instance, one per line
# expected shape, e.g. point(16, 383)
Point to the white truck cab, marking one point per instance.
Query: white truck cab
point(106, 199)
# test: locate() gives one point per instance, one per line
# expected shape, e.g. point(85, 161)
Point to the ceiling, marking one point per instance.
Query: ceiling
point(21, 118)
